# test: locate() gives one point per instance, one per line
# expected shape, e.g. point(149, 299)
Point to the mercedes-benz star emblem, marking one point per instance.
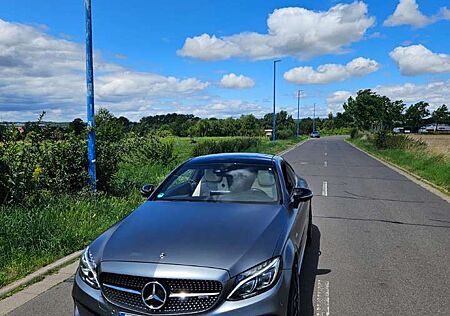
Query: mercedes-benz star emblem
point(154, 295)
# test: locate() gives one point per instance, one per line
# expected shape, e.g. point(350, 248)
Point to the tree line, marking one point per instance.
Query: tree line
point(371, 111)
point(366, 111)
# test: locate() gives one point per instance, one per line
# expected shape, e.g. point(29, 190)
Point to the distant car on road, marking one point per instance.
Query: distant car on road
point(443, 128)
point(423, 130)
point(223, 234)
point(315, 134)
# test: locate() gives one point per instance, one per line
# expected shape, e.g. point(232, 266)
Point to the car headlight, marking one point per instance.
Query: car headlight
point(256, 280)
point(88, 269)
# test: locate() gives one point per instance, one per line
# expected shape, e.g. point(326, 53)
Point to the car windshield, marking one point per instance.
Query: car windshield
point(225, 182)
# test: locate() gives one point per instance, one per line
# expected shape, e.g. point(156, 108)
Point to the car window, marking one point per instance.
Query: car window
point(226, 182)
point(291, 174)
point(182, 179)
point(289, 180)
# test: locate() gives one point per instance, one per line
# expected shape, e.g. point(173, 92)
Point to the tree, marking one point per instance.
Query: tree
point(250, 126)
point(394, 114)
point(77, 126)
point(368, 110)
point(107, 126)
point(415, 114)
point(342, 120)
point(329, 123)
point(441, 115)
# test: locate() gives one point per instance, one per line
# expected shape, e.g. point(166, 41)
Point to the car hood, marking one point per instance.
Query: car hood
point(229, 236)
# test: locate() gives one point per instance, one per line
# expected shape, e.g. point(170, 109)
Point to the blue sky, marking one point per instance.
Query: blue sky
point(214, 58)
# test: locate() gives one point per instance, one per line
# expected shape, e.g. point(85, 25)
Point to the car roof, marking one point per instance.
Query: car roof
point(250, 158)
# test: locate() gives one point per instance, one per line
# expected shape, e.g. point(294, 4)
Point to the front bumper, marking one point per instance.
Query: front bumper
point(90, 302)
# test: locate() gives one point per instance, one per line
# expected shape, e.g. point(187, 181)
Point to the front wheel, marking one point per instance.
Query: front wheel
point(294, 294)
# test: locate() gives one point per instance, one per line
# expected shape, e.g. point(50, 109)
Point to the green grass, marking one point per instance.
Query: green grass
point(429, 166)
point(35, 235)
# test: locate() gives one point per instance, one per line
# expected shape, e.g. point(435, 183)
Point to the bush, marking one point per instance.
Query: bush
point(383, 140)
point(33, 168)
point(145, 160)
point(354, 133)
point(224, 146)
point(3, 181)
point(335, 131)
point(284, 133)
point(149, 149)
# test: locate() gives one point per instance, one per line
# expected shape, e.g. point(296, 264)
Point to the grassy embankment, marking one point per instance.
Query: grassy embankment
point(35, 235)
point(422, 156)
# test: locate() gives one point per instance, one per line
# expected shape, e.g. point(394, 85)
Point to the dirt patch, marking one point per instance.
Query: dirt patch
point(439, 144)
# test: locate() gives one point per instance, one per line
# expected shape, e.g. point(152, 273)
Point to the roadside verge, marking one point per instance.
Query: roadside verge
point(411, 176)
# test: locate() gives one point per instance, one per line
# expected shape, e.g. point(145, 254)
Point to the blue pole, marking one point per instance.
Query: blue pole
point(274, 86)
point(90, 97)
point(298, 113)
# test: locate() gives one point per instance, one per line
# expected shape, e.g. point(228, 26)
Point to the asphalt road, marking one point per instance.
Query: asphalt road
point(381, 242)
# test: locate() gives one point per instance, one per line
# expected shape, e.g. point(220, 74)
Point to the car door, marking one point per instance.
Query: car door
point(290, 182)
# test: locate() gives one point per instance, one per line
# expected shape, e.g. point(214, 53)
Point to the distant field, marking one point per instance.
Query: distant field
point(438, 144)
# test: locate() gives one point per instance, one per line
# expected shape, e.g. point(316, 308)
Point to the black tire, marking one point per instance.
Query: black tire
point(294, 294)
point(309, 232)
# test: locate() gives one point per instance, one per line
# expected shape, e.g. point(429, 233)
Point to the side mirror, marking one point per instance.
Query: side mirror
point(147, 190)
point(300, 195)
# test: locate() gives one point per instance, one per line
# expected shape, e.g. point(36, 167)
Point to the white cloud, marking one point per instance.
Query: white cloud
point(444, 13)
point(226, 108)
point(42, 72)
point(292, 31)
point(417, 59)
point(435, 93)
point(407, 13)
point(233, 81)
point(336, 100)
point(331, 72)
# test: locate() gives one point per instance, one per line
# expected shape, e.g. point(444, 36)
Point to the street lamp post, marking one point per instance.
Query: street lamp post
point(90, 97)
point(274, 85)
point(298, 111)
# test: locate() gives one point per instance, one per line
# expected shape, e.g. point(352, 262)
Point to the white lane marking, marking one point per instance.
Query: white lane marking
point(325, 188)
point(323, 298)
point(325, 163)
point(326, 154)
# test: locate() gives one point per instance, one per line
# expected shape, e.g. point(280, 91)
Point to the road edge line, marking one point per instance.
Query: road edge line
point(406, 173)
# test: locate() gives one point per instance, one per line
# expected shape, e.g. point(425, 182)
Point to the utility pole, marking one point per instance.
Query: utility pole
point(314, 118)
point(90, 97)
point(298, 111)
point(274, 115)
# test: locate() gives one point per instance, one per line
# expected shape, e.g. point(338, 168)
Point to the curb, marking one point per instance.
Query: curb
point(39, 273)
point(427, 185)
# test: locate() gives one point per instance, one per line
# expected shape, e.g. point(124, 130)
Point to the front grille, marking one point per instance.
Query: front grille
point(126, 292)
